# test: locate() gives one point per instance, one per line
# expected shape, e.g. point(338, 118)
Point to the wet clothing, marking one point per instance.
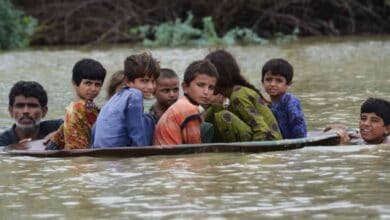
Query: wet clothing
point(122, 121)
point(180, 124)
point(247, 118)
point(289, 114)
point(75, 133)
point(45, 127)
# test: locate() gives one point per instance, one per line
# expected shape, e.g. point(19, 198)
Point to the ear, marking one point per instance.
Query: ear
point(44, 111)
point(129, 83)
point(74, 83)
point(184, 87)
point(10, 108)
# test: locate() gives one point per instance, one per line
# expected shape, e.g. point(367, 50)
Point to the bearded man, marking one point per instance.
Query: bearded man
point(27, 106)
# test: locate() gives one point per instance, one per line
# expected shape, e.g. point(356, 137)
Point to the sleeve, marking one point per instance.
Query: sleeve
point(296, 119)
point(135, 121)
point(77, 129)
point(254, 117)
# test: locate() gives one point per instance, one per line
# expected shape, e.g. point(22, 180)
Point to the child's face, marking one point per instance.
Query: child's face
point(372, 128)
point(275, 85)
point(200, 89)
point(88, 89)
point(167, 91)
point(146, 84)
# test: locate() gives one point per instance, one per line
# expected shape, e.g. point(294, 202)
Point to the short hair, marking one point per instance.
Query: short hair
point(117, 79)
point(278, 66)
point(166, 73)
point(199, 67)
point(378, 106)
point(88, 69)
point(28, 89)
point(141, 65)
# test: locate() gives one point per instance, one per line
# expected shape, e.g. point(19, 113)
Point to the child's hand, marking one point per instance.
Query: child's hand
point(217, 99)
point(340, 130)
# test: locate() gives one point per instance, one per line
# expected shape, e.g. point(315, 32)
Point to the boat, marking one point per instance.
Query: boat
point(36, 148)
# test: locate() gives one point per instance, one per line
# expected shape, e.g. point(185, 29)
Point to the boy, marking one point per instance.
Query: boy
point(276, 77)
point(122, 121)
point(27, 106)
point(166, 93)
point(374, 124)
point(180, 124)
point(87, 79)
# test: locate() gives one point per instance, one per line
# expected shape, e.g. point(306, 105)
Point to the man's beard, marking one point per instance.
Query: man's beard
point(27, 127)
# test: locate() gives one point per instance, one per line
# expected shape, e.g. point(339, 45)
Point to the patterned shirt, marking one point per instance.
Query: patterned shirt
point(122, 121)
point(290, 116)
point(75, 133)
point(180, 124)
point(249, 106)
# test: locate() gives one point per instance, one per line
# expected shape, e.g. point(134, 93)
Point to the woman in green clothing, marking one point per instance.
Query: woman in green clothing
point(239, 112)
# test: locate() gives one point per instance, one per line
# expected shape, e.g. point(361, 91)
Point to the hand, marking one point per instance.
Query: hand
point(25, 140)
point(341, 131)
point(48, 137)
point(217, 99)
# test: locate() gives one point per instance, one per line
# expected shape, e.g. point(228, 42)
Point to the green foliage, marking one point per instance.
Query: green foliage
point(242, 36)
point(285, 38)
point(180, 33)
point(15, 28)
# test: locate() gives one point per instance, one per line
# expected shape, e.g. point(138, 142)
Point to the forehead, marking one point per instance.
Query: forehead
point(23, 99)
point(269, 74)
point(370, 115)
point(205, 79)
point(92, 80)
point(167, 82)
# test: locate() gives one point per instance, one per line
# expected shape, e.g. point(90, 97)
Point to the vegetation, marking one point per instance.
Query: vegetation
point(180, 33)
point(236, 21)
point(15, 28)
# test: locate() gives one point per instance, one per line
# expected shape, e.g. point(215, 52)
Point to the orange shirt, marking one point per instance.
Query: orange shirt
point(179, 124)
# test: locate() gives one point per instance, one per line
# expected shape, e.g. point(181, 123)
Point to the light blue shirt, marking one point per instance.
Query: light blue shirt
point(122, 122)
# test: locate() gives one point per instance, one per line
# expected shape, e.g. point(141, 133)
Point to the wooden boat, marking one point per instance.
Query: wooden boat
point(36, 148)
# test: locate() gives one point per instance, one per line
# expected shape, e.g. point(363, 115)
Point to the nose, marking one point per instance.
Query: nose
point(26, 109)
point(273, 82)
point(151, 85)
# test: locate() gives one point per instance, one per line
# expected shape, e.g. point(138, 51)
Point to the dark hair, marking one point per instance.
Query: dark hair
point(199, 67)
point(228, 70)
point(141, 65)
point(378, 106)
point(88, 69)
point(278, 66)
point(117, 79)
point(166, 73)
point(28, 89)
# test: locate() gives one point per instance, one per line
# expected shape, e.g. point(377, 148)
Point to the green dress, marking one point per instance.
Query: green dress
point(247, 118)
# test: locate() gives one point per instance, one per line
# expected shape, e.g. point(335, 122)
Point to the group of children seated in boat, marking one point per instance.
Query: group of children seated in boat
point(218, 105)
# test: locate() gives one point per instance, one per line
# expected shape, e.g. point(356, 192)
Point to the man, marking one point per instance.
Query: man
point(27, 106)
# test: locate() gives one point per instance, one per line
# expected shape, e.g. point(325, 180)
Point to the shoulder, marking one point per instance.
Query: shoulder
point(51, 124)
point(7, 137)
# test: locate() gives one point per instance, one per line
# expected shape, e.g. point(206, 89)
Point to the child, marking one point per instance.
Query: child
point(87, 79)
point(122, 121)
point(276, 77)
point(116, 83)
point(246, 116)
point(166, 93)
point(374, 124)
point(180, 124)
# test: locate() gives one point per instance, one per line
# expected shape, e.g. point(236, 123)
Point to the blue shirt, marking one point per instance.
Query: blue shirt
point(290, 116)
point(122, 122)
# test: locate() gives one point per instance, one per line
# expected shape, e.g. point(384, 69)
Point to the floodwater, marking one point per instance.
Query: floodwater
point(332, 78)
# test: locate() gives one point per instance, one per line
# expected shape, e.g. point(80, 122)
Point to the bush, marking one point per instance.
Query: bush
point(16, 29)
point(179, 33)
